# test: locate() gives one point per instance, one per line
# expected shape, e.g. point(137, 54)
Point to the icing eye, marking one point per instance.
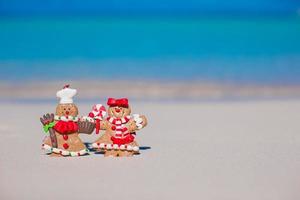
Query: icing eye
point(64, 108)
point(69, 108)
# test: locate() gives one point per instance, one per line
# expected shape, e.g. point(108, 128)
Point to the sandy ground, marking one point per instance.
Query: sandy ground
point(146, 90)
point(205, 150)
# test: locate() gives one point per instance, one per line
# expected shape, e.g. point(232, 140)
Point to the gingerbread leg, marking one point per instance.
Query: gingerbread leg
point(98, 150)
point(55, 155)
point(126, 153)
point(110, 153)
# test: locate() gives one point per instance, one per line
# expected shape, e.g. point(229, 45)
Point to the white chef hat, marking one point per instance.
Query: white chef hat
point(66, 94)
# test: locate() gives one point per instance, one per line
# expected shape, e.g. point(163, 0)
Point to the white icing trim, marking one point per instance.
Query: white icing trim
point(138, 121)
point(139, 126)
point(64, 152)
point(111, 120)
point(116, 147)
point(98, 111)
point(66, 119)
point(135, 116)
point(87, 118)
point(135, 148)
point(128, 117)
point(129, 148)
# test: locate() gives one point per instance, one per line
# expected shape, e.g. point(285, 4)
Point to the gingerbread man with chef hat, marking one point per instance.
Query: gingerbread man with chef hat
point(64, 127)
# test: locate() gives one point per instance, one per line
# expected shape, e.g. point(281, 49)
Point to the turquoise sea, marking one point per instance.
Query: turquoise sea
point(222, 49)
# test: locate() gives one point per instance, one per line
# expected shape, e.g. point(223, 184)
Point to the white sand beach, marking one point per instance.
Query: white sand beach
point(241, 150)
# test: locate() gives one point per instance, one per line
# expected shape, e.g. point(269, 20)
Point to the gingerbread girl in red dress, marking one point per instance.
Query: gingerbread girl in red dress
point(120, 129)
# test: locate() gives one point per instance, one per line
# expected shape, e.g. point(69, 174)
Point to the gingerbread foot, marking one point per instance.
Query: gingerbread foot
point(126, 153)
point(55, 155)
point(110, 153)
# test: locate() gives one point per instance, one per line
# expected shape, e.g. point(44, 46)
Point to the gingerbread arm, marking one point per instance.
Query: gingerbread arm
point(99, 125)
point(46, 120)
point(144, 122)
point(88, 127)
point(103, 125)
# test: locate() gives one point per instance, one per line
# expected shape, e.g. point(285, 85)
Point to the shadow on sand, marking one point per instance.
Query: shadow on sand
point(91, 149)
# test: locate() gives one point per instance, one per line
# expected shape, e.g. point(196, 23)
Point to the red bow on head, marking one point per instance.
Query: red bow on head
point(118, 102)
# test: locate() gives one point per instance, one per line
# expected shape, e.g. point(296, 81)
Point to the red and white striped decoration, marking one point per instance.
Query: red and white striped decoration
point(98, 112)
point(138, 121)
point(120, 131)
point(118, 121)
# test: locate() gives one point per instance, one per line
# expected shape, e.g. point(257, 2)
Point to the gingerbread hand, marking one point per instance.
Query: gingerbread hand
point(47, 118)
point(48, 122)
point(138, 122)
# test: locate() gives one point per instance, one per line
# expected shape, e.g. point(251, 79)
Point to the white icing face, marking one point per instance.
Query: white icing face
point(118, 112)
point(67, 110)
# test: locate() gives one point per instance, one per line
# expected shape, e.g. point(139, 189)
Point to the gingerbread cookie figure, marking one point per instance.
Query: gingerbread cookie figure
point(64, 127)
point(120, 129)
